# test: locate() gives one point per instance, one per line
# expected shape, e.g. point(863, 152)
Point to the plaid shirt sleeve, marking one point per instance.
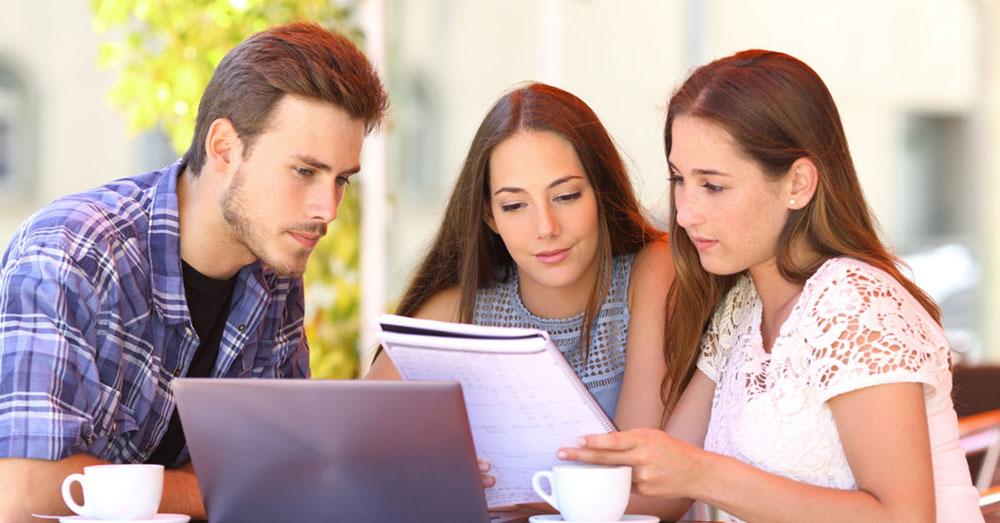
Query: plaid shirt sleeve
point(50, 399)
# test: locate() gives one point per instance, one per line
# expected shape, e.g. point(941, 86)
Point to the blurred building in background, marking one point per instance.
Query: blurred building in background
point(910, 79)
point(917, 83)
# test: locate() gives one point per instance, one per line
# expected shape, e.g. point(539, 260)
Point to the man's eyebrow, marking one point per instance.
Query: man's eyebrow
point(311, 162)
point(316, 164)
point(562, 180)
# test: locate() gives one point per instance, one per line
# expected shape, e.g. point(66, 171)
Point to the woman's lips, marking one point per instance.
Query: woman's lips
point(551, 257)
point(703, 243)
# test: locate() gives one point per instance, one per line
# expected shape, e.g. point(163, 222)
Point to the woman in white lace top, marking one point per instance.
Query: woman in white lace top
point(821, 391)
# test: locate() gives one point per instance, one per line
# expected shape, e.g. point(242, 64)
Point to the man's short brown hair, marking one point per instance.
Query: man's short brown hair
point(300, 59)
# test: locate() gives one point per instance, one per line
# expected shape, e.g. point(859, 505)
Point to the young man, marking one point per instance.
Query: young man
point(192, 270)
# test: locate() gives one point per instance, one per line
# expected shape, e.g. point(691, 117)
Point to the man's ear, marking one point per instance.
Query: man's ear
point(223, 147)
point(804, 177)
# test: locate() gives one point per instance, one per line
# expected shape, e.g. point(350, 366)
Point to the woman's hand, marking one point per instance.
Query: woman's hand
point(662, 465)
point(484, 477)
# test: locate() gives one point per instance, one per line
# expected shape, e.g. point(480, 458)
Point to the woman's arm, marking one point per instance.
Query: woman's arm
point(443, 306)
point(639, 403)
point(883, 430)
point(689, 423)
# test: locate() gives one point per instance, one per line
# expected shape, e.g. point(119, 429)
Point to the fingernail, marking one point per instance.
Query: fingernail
point(484, 466)
point(561, 454)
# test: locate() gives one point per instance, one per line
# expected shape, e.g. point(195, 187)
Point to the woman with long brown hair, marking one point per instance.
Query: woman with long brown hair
point(543, 230)
point(821, 390)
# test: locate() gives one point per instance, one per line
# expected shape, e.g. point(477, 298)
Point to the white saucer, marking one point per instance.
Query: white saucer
point(635, 518)
point(158, 518)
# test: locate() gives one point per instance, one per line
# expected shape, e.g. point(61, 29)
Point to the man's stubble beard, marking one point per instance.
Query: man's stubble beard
point(234, 208)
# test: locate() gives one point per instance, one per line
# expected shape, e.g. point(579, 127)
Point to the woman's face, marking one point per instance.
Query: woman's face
point(543, 207)
point(732, 212)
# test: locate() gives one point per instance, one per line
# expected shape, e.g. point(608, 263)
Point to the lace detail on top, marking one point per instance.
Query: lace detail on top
point(854, 326)
point(604, 369)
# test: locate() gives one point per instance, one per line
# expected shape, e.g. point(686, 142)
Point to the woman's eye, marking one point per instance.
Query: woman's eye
point(567, 197)
point(507, 207)
point(712, 187)
point(674, 179)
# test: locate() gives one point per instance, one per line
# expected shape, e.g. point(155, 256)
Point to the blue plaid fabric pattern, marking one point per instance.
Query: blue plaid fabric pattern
point(94, 324)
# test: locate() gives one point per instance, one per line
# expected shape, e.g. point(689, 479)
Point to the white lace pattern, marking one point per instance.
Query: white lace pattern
point(853, 326)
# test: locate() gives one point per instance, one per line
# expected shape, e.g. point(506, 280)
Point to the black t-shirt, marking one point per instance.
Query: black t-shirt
point(208, 303)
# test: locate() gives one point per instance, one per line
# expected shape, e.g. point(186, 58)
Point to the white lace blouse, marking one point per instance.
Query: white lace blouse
point(853, 326)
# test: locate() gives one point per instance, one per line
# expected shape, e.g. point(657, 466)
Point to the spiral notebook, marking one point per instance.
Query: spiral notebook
point(523, 399)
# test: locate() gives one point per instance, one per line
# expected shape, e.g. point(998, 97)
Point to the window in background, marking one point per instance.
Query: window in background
point(16, 146)
point(936, 179)
point(939, 232)
point(418, 145)
point(153, 151)
point(5, 150)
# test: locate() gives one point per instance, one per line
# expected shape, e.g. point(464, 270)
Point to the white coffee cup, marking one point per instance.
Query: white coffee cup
point(586, 492)
point(120, 492)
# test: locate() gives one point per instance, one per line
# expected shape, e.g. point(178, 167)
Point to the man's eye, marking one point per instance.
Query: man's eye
point(305, 172)
point(343, 181)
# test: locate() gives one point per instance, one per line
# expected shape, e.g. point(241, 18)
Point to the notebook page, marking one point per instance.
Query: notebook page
point(521, 404)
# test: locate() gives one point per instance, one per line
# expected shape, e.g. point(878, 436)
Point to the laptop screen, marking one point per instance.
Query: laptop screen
point(331, 450)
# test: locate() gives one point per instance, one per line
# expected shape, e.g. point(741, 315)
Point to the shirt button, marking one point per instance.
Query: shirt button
point(177, 373)
point(241, 327)
point(187, 330)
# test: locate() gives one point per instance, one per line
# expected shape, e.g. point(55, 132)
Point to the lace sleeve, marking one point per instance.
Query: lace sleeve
point(718, 340)
point(865, 329)
point(708, 359)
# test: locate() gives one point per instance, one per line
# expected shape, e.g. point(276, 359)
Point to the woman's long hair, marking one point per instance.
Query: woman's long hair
point(467, 253)
point(778, 110)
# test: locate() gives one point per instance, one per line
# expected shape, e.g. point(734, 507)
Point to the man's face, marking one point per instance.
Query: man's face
point(287, 189)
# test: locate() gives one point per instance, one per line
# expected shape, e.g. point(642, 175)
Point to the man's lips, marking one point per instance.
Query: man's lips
point(553, 256)
point(307, 239)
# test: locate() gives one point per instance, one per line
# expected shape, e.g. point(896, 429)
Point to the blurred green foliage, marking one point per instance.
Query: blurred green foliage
point(166, 51)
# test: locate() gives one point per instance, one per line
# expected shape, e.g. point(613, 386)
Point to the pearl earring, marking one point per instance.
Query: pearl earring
point(791, 202)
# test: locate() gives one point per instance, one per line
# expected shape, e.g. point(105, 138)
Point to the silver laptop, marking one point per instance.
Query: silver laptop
point(331, 450)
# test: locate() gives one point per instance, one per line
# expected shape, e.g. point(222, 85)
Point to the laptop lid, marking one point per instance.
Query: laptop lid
point(331, 450)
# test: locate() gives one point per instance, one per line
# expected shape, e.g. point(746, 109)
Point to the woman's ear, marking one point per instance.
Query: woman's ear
point(803, 177)
point(488, 218)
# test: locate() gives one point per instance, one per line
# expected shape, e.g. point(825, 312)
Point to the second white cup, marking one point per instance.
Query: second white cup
point(122, 492)
point(586, 492)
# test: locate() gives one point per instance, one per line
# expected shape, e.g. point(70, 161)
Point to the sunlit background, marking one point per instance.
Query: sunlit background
point(92, 91)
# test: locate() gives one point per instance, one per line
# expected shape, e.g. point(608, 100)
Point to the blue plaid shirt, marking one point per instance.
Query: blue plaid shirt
point(94, 324)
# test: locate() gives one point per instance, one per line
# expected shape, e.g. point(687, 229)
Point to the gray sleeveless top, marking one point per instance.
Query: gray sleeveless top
point(501, 306)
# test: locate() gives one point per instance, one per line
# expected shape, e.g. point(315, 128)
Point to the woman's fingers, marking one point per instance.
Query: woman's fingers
point(595, 456)
point(487, 480)
point(615, 448)
point(611, 441)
